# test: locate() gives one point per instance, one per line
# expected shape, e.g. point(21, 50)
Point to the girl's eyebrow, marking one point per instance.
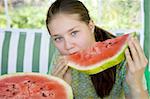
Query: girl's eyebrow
point(71, 29)
point(55, 35)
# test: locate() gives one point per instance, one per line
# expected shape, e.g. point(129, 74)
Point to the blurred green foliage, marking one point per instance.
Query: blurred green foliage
point(114, 15)
point(28, 17)
point(121, 14)
point(2, 20)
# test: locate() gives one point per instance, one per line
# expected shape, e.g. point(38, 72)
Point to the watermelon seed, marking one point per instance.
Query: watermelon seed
point(29, 81)
point(44, 95)
point(13, 93)
point(7, 90)
point(13, 85)
point(51, 94)
point(26, 82)
point(33, 82)
point(106, 46)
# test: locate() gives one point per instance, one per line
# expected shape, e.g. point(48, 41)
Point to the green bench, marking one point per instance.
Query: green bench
point(25, 50)
point(29, 50)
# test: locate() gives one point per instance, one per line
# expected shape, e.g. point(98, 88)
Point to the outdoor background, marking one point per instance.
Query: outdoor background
point(116, 16)
point(109, 14)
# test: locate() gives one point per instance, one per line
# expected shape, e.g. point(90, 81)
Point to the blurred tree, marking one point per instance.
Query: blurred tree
point(121, 14)
point(113, 14)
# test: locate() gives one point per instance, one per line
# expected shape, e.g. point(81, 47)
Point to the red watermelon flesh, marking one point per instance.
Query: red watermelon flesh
point(100, 56)
point(33, 86)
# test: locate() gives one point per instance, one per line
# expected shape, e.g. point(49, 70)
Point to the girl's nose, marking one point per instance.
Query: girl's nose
point(68, 45)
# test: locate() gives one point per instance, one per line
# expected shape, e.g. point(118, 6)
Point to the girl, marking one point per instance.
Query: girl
point(72, 30)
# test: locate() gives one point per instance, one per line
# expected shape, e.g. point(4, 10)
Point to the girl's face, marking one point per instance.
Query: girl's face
point(70, 34)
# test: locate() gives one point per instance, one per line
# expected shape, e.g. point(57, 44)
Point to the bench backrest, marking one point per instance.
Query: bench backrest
point(29, 50)
point(24, 50)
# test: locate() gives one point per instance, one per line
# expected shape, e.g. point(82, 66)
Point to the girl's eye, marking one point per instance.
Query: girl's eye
point(58, 39)
point(74, 33)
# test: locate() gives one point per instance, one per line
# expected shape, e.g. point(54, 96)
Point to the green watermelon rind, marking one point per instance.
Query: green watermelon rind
point(102, 66)
point(120, 56)
point(58, 80)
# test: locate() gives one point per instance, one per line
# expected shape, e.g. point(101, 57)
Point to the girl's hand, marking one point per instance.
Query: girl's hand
point(136, 63)
point(62, 70)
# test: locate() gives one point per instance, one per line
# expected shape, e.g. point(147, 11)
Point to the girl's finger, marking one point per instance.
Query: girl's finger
point(139, 49)
point(129, 60)
point(56, 64)
point(137, 44)
point(59, 67)
point(64, 70)
point(59, 58)
point(134, 53)
point(135, 56)
point(61, 61)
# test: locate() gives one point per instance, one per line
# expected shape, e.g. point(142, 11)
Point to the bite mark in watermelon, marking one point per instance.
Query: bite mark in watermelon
point(100, 56)
point(33, 86)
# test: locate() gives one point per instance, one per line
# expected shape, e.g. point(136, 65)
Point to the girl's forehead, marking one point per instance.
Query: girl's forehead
point(64, 16)
point(63, 23)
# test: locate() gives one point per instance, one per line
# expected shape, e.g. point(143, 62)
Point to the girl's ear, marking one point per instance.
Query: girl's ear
point(91, 26)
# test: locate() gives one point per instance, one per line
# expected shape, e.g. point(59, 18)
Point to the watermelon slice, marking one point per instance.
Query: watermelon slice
point(100, 56)
point(33, 86)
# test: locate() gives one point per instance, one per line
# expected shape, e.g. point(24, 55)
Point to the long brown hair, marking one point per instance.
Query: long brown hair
point(103, 81)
